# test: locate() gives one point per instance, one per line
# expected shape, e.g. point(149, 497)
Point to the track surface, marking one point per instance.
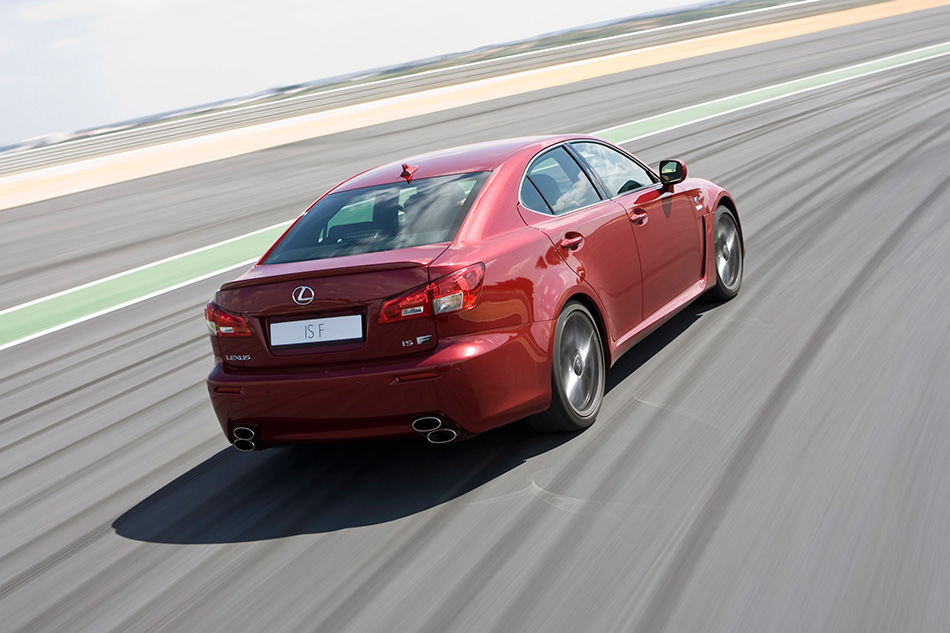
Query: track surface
point(776, 463)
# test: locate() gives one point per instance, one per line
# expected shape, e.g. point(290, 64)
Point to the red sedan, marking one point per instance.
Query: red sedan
point(465, 289)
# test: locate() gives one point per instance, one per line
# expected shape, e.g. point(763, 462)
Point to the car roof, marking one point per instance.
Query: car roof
point(476, 157)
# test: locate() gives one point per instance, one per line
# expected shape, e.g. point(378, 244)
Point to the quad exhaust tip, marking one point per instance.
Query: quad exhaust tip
point(442, 436)
point(426, 424)
point(244, 438)
point(244, 433)
point(436, 430)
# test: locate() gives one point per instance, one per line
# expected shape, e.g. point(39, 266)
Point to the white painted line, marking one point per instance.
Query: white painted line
point(147, 266)
point(123, 305)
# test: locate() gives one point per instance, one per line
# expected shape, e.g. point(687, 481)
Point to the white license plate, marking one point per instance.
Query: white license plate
point(307, 331)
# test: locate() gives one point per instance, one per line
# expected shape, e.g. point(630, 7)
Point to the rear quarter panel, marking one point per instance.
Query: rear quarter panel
point(524, 287)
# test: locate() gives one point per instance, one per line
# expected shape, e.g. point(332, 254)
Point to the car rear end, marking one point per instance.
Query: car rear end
point(334, 334)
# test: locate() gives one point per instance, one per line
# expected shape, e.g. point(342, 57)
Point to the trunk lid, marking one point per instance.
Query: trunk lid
point(325, 311)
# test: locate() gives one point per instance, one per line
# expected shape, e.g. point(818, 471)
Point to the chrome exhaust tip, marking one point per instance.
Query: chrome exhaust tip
point(244, 433)
point(442, 436)
point(426, 424)
point(244, 445)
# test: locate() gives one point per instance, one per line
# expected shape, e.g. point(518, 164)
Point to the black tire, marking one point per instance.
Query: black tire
point(728, 257)
point(577, 374)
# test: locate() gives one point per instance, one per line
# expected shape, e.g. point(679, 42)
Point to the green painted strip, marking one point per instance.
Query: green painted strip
point(56, 311)
point(663, 122)
point(49, 314)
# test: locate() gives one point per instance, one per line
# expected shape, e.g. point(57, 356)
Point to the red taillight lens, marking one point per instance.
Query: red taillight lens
point(222, 323)
point(415, 304)
point(451, 293)
point(457, 291)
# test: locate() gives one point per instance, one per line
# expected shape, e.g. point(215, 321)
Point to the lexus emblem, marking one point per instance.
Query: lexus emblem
point(303, 295)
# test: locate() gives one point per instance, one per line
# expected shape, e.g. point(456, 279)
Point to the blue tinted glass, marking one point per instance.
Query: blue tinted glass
point(381, 218)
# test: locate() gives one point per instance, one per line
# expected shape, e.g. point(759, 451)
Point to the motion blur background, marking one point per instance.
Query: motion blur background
point(774, 463)
point(77, 64)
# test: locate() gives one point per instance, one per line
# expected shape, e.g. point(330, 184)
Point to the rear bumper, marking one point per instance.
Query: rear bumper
point(478, 381)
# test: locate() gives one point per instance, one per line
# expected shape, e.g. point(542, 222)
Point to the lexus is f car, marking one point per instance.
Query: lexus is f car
point(464, 289)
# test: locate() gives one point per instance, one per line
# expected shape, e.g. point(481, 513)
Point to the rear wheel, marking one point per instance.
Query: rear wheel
point(728, 254)
point(577, 374)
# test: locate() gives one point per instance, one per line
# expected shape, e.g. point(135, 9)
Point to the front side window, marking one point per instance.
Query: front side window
point(560, 183)
point(619, 173)
point(381, 218)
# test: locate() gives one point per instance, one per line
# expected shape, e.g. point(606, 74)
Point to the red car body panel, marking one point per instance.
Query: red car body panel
point(481, 367)
point(669, 242)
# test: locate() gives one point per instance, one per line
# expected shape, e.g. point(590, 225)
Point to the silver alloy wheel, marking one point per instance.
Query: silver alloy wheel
point(581, 371)
point(728, 251)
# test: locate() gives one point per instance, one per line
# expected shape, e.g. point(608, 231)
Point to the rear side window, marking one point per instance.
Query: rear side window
point(531, 197)
point(381, 218)
point(619, 173)
point(560, 182)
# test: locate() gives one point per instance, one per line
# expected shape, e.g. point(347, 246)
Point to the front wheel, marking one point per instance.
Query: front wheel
point(728, 254)
point(577, 374)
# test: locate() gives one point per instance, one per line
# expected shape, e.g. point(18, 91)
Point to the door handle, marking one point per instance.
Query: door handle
point(573, 242)
point(639, 218)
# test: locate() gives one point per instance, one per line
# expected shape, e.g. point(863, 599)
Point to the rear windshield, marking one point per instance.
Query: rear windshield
point(381, 218)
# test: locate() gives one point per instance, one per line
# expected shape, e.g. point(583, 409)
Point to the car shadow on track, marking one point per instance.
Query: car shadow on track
point(307, 489)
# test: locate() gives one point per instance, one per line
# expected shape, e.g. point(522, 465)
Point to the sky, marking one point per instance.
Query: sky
point(67, 65)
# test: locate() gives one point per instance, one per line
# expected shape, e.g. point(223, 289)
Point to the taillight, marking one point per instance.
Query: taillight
point(415, 304)
point(457, 291)
point(222, 323)
point(453, 292)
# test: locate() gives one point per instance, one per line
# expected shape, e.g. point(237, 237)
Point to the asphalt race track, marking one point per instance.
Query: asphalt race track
point(777, 463)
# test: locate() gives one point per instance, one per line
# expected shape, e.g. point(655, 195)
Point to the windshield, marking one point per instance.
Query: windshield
point(382, 218)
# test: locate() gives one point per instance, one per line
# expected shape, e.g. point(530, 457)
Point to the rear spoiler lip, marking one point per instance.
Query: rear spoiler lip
point(310, 274)
point(413, 257)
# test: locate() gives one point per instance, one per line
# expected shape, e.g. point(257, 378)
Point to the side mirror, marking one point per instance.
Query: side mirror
point(672, 171)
